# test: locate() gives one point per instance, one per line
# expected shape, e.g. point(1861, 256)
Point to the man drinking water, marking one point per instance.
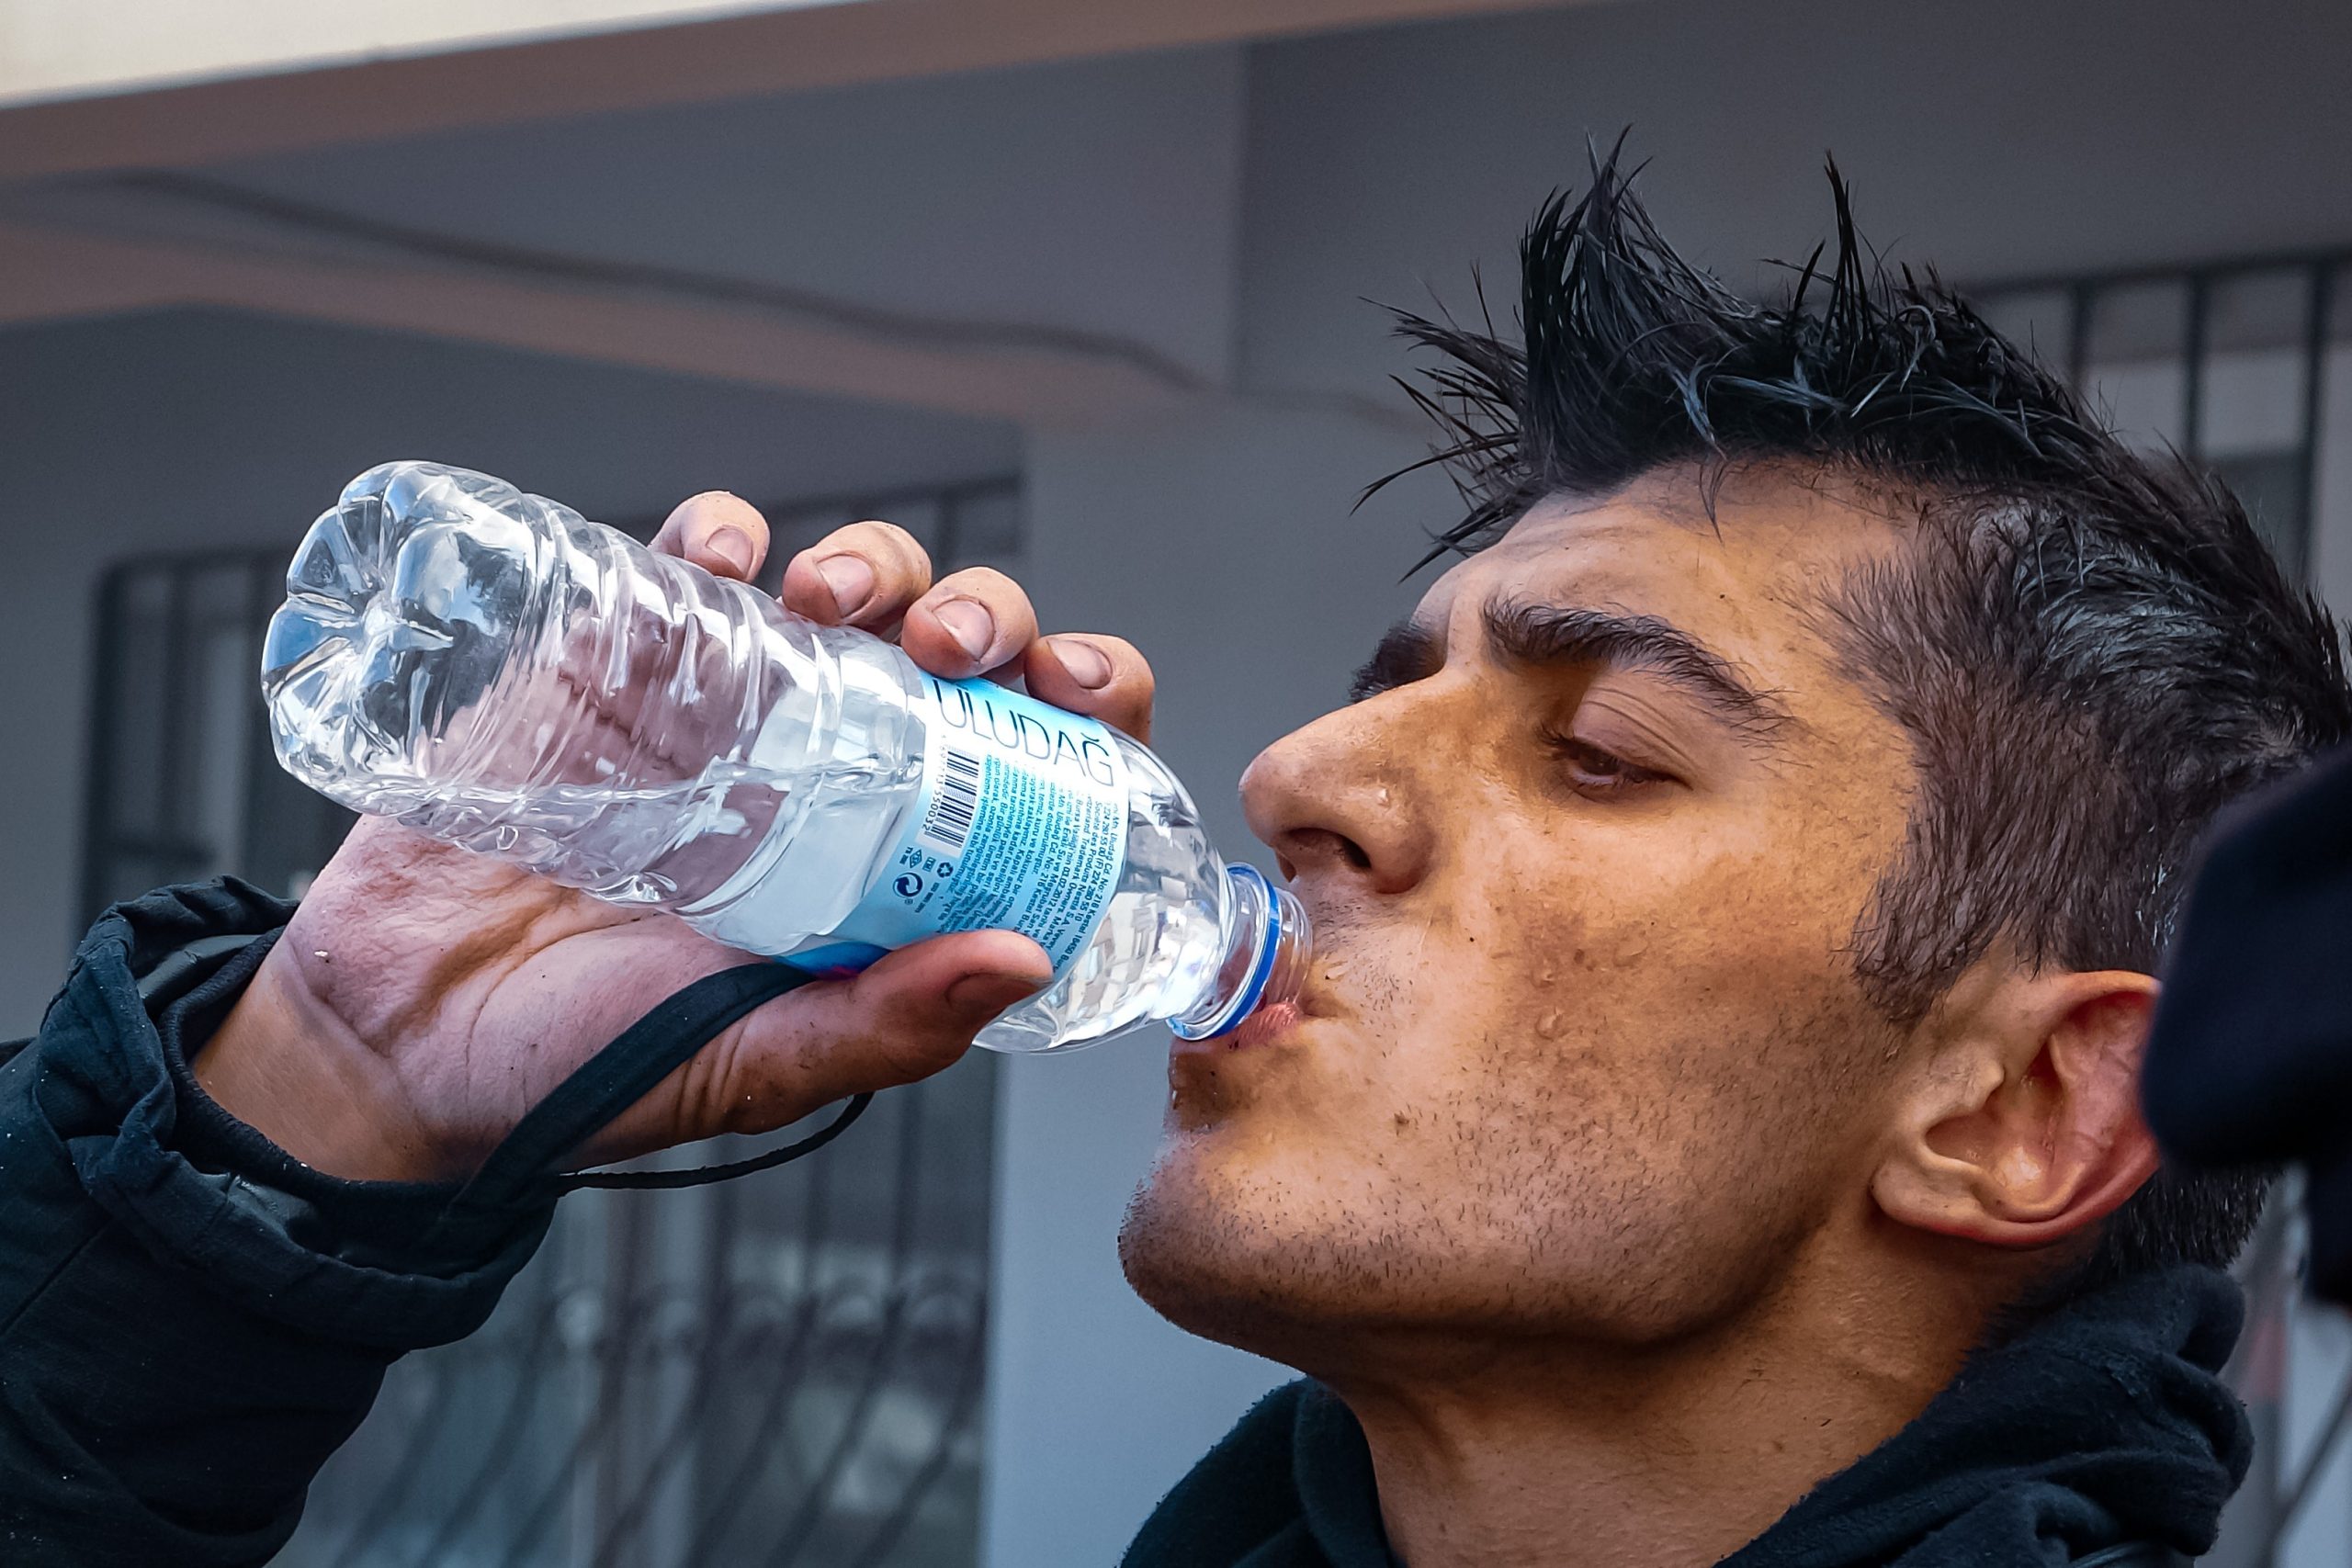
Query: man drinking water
point(1709, 1133)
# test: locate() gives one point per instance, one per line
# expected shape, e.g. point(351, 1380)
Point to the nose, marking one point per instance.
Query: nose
point(1341, 803)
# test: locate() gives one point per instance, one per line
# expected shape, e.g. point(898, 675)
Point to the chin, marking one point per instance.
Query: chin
point(1252, 1259)
point(1216, 1265)
point(1256, 1244)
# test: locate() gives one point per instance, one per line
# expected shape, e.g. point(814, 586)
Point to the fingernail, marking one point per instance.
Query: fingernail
point(1086, 663)
point(988, 994)
point(969, 623)
point(852, 581)
point(732, 545)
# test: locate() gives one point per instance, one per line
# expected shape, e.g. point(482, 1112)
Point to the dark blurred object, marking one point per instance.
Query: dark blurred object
point(2251, 1058)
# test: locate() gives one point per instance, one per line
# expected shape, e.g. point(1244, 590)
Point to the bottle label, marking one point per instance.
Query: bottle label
point(1021, 823)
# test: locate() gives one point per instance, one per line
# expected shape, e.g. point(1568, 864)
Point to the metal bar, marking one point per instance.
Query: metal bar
point(960, 1405)
point(100, 796)
point(384, 1507)
point(173, 763)
point(710, 1365)
point(630, 1245)
point(2192, 392)
point(611, 1400)
point(814, 1502)
point(2265, 1271)
point(265, 582)
point(2291, 1500)
point(423, 1434)
point(157, 846)
point(895, 1318)
point(719, 1519)
point(504, 1447)
point(2079, 335)
point(711, 1530)
point(948, 545)
point(2318, 306)
point(2123, 276)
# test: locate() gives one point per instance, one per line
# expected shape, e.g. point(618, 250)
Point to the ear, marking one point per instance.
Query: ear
point(2022, 1128)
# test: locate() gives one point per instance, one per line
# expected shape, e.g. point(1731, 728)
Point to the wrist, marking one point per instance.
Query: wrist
point(284, 1064)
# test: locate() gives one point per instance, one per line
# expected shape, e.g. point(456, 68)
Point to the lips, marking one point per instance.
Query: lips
point(1263, 1027)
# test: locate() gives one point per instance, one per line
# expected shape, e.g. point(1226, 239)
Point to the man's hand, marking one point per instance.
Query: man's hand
point(424, 999)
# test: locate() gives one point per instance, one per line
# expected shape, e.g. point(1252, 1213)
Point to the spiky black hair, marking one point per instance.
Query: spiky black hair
point(2090, 649)
point(1632, 359)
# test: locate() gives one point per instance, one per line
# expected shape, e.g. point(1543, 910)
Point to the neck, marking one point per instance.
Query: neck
point(1666, 1456)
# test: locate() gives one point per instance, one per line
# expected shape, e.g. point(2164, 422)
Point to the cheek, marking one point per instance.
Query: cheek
point(1533, 947)
point(1589, 1070)
point(1667, 1049)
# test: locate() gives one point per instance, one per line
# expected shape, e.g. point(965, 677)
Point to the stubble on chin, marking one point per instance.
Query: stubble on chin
point(1208, 1265)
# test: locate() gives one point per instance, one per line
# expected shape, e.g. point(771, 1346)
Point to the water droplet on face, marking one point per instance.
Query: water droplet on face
point(1335, 968)
point(1548, 1026)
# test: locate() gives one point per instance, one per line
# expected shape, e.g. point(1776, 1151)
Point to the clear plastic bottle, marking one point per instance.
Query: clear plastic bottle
point(491, 667)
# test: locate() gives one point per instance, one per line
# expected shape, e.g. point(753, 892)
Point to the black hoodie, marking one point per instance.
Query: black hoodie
point(2101, 1424)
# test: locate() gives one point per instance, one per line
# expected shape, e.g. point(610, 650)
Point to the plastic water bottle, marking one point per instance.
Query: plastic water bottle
point(491, 667)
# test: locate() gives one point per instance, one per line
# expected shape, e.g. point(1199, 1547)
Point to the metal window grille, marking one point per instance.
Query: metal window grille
point(2241, 367)
point(2232, 364)
point(182, 786)
point(776, 1371)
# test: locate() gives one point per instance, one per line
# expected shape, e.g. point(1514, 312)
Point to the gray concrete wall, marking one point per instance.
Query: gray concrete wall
point(1097, 197)
point(1994, 138)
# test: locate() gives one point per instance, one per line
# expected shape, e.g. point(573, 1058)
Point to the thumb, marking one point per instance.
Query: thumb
point(912, 1014)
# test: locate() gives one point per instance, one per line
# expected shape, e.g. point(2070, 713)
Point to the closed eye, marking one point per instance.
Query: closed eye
point(1596, 772)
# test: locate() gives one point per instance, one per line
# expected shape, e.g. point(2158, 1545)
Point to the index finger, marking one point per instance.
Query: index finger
point(721, 533)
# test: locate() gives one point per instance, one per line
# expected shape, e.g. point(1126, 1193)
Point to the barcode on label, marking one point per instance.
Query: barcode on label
point(949, 820)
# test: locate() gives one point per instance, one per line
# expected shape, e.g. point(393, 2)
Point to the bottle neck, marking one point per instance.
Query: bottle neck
point(1267, 944)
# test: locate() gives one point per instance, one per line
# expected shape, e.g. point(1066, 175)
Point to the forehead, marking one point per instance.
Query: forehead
point(1747, 579)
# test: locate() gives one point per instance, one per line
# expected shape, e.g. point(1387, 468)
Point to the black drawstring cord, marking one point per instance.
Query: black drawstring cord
point(522, 1168)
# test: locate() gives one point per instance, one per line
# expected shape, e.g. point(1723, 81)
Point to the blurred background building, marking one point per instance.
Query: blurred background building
point(1071, 286)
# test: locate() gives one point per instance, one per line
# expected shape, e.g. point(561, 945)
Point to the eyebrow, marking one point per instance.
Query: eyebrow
point(1408, 652)
point(1539, 635)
